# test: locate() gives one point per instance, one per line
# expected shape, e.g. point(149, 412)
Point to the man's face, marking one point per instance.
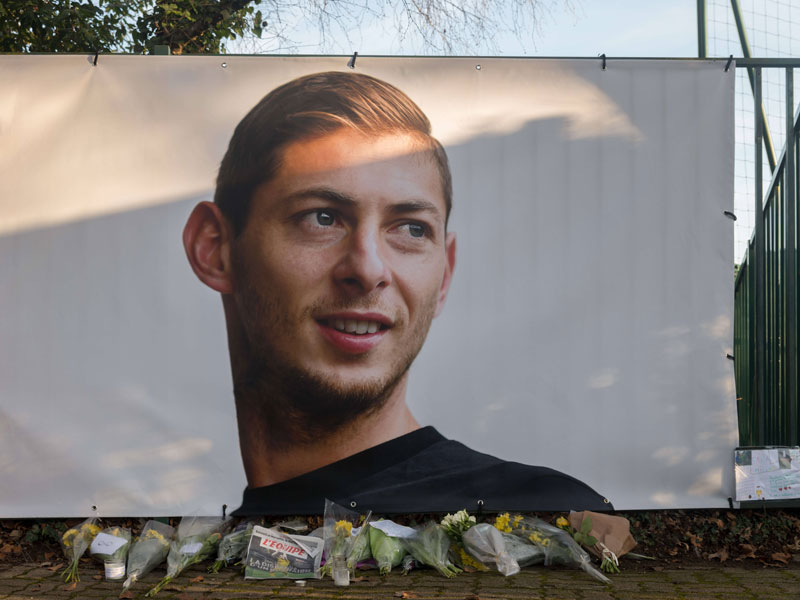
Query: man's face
point(344, 260)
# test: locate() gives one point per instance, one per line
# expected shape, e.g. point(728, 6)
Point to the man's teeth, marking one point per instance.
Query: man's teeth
point(357, 327)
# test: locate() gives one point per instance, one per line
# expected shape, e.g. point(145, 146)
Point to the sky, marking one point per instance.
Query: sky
point(568, 28)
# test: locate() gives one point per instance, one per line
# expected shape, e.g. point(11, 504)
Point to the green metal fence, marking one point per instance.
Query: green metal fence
point(766, 299)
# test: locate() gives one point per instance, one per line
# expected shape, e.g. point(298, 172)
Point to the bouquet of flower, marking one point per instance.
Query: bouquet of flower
point(75, 541)
point(557, 545)
point(430, 546)
point(233, 546)
point(360, 550)
point(342, 536)
point(197, 540)
point(148, 551)
point(455, 526)
point(486, 544)
point(385, 544)
point(111, 547)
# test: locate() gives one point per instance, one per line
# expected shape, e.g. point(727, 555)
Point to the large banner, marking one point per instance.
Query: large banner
point(589, 294)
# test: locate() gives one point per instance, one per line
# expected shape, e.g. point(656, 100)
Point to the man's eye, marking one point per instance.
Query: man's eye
point(416, 230)
point(324, 218)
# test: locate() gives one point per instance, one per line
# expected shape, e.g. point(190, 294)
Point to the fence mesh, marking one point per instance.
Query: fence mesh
point(772, 28)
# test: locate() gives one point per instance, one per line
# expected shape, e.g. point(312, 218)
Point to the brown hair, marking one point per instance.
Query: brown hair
point(310, 106)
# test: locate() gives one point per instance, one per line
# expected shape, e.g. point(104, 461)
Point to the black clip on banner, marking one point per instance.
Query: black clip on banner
point(603, 66)
point(728, 64)
point(94, 62)
point(352, 62)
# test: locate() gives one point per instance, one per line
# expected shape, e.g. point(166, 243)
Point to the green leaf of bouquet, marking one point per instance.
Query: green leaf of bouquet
point(586, 525)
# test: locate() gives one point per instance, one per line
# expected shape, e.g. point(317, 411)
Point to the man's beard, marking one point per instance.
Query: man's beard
point(290, 406)
point(287, 405)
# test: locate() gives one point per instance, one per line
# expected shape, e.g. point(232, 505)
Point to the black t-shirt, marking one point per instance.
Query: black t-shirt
point(420, 472)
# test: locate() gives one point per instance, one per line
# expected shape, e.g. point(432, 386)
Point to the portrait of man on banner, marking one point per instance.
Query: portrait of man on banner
point(328, 242)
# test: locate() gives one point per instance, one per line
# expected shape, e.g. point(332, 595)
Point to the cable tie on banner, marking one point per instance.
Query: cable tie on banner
point(728, 64)
point(352, 62)
point(94, 62)
point(224, 508)
point(603, 65)
point(729, 214)
point(729, 356)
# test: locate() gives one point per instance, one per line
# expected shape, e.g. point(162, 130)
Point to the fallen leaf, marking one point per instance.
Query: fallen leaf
point(129, 595)
point(405, 595)
point(55, 568)
point(749, 550)
point(49, 555)
point(659, 569)
point(97, 577)
point(71, 586)
point(197, 579)
point(781, 557)
point(722, 555)
point(359, 579)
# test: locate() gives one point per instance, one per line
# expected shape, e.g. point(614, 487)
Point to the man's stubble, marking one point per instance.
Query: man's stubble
point(289, 405)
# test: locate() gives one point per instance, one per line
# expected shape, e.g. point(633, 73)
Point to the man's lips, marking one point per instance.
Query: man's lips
point(354, 333)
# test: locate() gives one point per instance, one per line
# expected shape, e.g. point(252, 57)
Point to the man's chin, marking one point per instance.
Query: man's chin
point(297, 406)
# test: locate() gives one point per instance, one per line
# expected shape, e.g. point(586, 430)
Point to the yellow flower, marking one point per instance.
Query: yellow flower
point(562, 523)
point(343, 528)
point(69, 537)
point(468, 561)
point(517, 520)
point(501, 523)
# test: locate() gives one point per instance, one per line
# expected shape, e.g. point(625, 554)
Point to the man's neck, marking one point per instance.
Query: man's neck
point(264, 465)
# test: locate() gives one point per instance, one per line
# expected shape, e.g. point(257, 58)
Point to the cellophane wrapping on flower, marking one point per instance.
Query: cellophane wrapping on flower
point(75, 541)
point(197, 539)
point(233, 547)
point(456, 525)
point(557, 545)
point(121, 538)
point(485, 543)
point(430, 546)
point(387, 551)
point(340, 539)
point(148, 551)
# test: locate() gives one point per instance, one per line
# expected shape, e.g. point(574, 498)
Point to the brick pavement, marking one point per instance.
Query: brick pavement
point(693, 582)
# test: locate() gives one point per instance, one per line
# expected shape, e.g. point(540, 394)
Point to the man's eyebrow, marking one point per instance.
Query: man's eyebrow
point(402, 208)
point(328, 194)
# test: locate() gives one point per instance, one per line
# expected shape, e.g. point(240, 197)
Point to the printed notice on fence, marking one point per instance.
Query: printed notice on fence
point(767, 474)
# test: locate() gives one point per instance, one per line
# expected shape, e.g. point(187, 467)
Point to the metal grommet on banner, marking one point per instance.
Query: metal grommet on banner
point(728, 64)
point(729, 214)
point(480, 507)
point(352, 62)
point(603, 65)
point(224, 65)
point(352, 504)
point(478, 67)
point(606, 501)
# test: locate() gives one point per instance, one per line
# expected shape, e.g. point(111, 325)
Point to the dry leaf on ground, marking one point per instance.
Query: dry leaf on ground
point(722, 555)
point(197, 579)
point(405, 595)
point(781, 557)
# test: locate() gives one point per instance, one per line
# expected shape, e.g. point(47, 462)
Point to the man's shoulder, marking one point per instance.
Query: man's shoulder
point(449, 476)
point(426, 472)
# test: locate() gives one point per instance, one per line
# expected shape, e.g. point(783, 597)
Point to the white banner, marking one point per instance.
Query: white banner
point(586, 328)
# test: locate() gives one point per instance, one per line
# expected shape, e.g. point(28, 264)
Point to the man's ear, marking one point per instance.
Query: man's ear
point(206, 239)
point(450, 256)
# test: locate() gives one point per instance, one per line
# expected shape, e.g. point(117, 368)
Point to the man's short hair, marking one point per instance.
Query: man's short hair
point(312, 106)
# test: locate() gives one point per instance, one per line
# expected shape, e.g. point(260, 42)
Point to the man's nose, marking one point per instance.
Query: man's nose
point(363, 267)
